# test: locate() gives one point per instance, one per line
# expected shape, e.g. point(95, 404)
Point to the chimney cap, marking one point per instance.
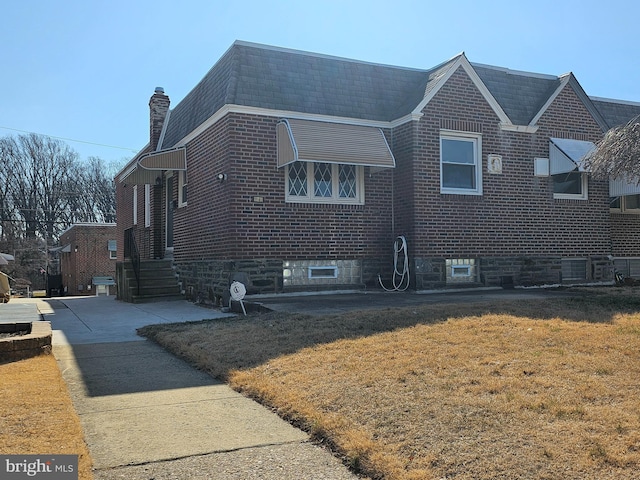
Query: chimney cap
point(159, 90)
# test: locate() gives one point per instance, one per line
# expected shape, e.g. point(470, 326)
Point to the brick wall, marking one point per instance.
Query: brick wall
point(515, 230)
point(516, 215)
point(625, 235)
point(89, 257)
point(150, 240)
point(246, 216)
point(245, 221)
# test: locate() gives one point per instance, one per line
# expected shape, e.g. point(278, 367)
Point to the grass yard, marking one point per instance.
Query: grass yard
point(36, 413)
point(528, 389)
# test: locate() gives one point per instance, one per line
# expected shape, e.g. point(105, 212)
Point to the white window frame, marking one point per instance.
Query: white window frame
point(147, 205)
point(623, 206)
point(334, 199)
point(583, 195)
point(112, 246)
point(182, 188)
point(323, 271)
point(135, 204)
point(476, 140)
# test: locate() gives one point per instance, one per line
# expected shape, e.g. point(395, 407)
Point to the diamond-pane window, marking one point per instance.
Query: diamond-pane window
point(322, 180)
point(324, 183)
point(347, 181)
point(298, 179)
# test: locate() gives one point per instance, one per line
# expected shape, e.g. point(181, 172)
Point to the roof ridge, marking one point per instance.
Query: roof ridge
point(510, 71)
point(614, 100)
point(261, 46)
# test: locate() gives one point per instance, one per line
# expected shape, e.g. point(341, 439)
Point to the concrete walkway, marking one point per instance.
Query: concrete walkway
point(148, 415)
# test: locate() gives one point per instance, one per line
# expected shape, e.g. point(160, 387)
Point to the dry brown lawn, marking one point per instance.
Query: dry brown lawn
point(36, 413)
point(528, 389)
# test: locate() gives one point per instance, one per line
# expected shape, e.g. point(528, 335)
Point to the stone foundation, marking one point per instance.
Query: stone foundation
point(507, 272)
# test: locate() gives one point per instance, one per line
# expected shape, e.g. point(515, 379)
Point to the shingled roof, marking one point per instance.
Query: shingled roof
point(616, 112)
point(273, 78)
point(260, 76)
point(520, 94)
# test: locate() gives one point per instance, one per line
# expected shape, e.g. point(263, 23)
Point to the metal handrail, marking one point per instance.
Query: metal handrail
point(131, 251)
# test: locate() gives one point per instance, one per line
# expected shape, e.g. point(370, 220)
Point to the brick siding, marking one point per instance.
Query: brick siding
point(516, 230)
point(91, 259)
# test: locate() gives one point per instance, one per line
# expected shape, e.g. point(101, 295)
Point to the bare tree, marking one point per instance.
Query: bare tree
point(9, 229)
point(45, 188)
point(39, 189)
point(617, 155)
point(100, 190)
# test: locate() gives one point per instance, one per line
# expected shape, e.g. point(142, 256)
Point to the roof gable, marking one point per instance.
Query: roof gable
point(442, 74)
point(570, 80)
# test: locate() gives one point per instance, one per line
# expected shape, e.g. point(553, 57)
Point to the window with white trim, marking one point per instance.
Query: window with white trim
point(460, 163)
point(113, 249)
point(324, 183)
point(182, 188)
point(323, 272)
point(570, 185)
point(147, 205)
point(461, 270)
point(135, 204)
point(625, 203)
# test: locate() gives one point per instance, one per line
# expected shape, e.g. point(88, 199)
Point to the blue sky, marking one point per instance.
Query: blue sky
point(83, 70)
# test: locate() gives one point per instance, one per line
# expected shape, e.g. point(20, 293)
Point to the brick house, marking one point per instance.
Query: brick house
point(308, 172)
point(88, 254)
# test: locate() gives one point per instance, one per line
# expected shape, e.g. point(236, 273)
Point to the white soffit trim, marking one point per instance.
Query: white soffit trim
point(267, 112)
point(565, 155)
point(519, 128)
point(309, 141)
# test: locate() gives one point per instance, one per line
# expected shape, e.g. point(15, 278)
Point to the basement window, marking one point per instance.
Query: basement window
point(461, 270)
point(628, 267)
point(574, 269)
point(323, 272)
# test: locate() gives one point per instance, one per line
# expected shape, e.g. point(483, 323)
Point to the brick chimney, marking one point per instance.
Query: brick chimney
point(158, 109)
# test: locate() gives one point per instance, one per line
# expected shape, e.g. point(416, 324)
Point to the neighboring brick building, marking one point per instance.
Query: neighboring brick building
point(306, 171)
point(88, 253)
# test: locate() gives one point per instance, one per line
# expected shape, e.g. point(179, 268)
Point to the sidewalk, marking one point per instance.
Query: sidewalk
point(147, 414)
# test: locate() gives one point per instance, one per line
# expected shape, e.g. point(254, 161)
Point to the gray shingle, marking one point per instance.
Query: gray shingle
point(264, 77)
point(520, 95)
point(272, 78)
point(616, 112)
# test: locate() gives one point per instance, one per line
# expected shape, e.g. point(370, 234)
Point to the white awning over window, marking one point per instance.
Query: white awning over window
point(622, 187)
point(311, 141)
point(148, 168)
point(565, 155)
